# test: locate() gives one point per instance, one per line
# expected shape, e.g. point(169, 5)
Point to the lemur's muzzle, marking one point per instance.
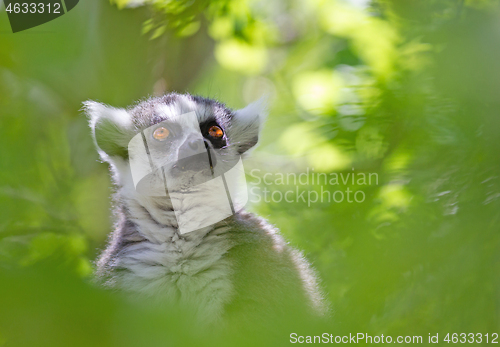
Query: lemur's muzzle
point(195, 155)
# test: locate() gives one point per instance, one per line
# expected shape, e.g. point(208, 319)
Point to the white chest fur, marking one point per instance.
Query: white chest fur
point(188, 270)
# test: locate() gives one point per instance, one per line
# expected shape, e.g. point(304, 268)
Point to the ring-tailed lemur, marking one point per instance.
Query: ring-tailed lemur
point(238, 263)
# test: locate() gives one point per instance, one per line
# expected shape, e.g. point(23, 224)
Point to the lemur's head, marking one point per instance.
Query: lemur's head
point(184, 139)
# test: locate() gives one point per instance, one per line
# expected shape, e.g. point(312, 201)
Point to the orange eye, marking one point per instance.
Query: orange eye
point(215, 131)
point(161, 134)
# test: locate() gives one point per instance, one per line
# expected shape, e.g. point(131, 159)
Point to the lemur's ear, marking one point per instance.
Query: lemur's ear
point(247, 124)
point(112, 128)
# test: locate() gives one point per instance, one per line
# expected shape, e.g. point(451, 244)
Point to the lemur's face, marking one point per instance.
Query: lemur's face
point(180, 139)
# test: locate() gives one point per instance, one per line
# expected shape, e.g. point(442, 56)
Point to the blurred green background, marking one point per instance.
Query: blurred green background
point(409, 90)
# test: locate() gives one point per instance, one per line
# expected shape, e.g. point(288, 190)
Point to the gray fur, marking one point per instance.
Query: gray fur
point(240, 264)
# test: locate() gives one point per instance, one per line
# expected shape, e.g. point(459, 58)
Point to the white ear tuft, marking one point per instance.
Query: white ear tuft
point(248, 123)
point(97, 111)
point(256, 112)
point(112, 128)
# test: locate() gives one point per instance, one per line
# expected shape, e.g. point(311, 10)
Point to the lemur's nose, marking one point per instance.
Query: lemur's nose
point(195, 144)
point(192, 145)
point(194, 155)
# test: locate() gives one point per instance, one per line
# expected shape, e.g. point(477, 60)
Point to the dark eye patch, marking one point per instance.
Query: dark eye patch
point(216, 142)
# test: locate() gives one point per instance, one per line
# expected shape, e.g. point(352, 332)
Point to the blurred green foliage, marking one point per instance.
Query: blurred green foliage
point(406, 90)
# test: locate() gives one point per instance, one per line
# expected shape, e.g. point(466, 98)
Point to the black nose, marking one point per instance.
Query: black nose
point(194, 155)
point(195, 145)
point(191, 146)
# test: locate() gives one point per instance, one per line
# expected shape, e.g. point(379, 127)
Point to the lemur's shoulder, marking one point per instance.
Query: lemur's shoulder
point(271, 272)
